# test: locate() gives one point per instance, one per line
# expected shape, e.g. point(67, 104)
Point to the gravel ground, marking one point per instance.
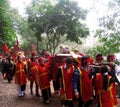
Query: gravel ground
point(9, 97)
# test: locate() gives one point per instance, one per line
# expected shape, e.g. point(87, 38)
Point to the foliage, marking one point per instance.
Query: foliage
point(21, 28)
point(59, 22)
point(108, 32)
point(7, 33)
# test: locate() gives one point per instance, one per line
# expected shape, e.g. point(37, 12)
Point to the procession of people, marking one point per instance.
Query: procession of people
point(92, 82)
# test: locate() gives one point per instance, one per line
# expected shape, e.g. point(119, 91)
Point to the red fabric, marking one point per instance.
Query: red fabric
point(5, 48)
point(91, 61)
point(16, 46)
point(112, 57)
point(105, 98)
point(50, 60)
point(55, 70)
point(96, 83)
point(33, 69)
point(114, 93)
point(20, 76)
point(99, 57)
point(14, 56)
point(17, 43)
point(67, 89)
point(81, 54)
point(34, 53)
point(44, 77)
point(86, 86)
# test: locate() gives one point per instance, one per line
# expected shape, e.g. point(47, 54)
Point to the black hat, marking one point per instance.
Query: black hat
point(85, 57)
point(69, 60)
point(99, 56)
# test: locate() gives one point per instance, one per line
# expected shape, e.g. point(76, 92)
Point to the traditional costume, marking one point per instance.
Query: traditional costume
point(32, 69)
point(65, 75)
point(20, 77)
point(104, 97)
point(83, 83)
point(44, 81)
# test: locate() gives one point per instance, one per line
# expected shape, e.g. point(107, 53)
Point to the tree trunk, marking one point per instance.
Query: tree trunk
point(37, 44)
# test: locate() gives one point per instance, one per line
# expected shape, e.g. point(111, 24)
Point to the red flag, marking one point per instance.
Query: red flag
point(5, 48)
point(16, 46)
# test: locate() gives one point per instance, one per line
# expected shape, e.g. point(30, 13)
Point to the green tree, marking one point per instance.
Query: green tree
point(7, 33)
point(108, 32)
point(59, 22)
point(21, 28)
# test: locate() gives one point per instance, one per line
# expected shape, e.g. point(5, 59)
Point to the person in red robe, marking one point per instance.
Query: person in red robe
point(97, 68)
point(82, 82)
point(43, 79)
point(112, 73)
point(65, 76)
point(20, 76)
point(104, 84)
point(32, 69)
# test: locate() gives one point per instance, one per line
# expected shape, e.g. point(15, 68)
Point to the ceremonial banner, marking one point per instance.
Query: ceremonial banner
point(5, 48)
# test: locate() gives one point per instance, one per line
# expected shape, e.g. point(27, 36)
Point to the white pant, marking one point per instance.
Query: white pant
point(20, 93)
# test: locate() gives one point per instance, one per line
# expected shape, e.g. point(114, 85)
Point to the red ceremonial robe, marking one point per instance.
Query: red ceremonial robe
point(20, 76)
point(105, 97)
point(33, 69)
point(43, 77)
point(66, 83)
point(86, 89)
point(114, 94)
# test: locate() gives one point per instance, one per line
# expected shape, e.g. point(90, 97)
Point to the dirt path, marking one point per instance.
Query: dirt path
point(9, 97)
